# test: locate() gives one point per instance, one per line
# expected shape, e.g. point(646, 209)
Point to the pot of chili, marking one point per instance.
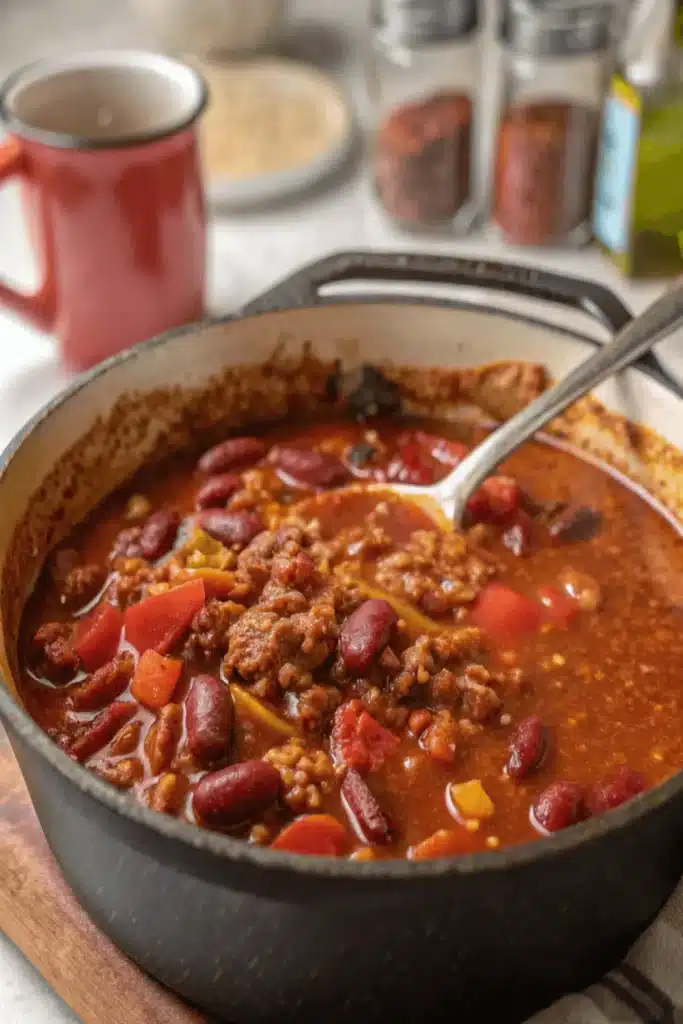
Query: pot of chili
point(299, 748)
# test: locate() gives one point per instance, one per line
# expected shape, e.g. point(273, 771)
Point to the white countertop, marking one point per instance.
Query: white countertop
point(247, 253)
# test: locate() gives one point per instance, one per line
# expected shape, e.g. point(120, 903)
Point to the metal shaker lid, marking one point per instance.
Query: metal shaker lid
point(557, 28)
point(416, 22)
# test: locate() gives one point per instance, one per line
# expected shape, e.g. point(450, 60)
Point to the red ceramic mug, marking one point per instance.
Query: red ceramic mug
point(106, 150)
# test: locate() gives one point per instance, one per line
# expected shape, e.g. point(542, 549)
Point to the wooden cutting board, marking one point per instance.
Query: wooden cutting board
point(39, 913)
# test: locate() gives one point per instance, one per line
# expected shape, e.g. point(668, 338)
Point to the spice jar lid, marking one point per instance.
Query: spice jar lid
point(416, 22)
point(557, 28)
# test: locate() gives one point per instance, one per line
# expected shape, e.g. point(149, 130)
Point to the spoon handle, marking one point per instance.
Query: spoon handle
point(629, 344)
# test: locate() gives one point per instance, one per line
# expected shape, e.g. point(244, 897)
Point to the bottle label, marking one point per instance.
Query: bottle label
point(411, 22)
point(617, 164)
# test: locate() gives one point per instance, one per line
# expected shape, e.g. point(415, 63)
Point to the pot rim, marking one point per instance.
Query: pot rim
point(398, 871)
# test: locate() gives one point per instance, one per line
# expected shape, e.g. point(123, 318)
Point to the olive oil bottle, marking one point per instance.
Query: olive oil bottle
point(638, 208)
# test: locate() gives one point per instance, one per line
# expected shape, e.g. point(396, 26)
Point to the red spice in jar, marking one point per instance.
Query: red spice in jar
point(544, 171)
point(422, 159)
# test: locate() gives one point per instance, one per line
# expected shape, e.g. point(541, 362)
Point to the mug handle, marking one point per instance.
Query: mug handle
point(30, 307)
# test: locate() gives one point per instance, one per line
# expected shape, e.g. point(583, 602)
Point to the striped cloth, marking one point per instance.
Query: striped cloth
point(646, 989)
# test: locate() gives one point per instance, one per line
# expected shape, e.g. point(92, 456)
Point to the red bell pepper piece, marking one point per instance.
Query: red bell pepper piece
point(504, 614)
point(358, 740)
point(557, 607)
point(159, 621)
point(155, 679)
point(97, 636)
point(316, 834)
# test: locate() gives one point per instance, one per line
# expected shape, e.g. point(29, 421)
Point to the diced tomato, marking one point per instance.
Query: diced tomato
point(495, 501)
point(316, 834)
point(155, 679)
point(96, 638)
point(505, 614)
point(159, 621)
point(557, 607)
point(445, 843)
point(358, 740)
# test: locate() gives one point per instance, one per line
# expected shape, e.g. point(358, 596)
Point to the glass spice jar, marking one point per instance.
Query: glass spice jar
point(557, 57)
point(424, 81)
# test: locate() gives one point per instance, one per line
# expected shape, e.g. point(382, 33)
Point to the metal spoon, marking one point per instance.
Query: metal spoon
point(452, 493)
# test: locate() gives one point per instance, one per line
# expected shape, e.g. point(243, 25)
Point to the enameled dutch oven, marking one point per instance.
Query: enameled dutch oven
point(255, 936)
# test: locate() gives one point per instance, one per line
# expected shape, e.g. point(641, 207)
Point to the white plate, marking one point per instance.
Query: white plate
point(282, 78)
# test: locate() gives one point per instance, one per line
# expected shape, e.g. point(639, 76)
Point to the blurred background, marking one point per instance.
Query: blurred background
point(450, 114)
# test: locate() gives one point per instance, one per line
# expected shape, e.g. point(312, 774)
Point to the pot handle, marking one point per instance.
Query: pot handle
point(304, 287)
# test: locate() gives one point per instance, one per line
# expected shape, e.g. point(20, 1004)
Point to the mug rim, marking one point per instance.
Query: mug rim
point(158, 63)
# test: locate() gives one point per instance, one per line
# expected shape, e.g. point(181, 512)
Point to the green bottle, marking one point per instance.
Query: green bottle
point(638, 208)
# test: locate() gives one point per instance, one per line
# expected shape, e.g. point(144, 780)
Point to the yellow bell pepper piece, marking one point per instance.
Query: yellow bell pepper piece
point(472, 800)
point(248, 705)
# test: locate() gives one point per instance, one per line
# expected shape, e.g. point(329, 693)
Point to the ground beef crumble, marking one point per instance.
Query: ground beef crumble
point(210, 628)
point(307, 773)
point(314, 707)
point(56, 658)
point(440, 572)
point(134, 579)
point(82, 584)
point(429, 654)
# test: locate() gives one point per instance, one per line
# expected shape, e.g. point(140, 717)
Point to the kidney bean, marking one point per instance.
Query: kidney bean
point(310, 467)
point(209, 718)
point(216, 491)
point(230, 527)
point(517, 538)
point(236, 451)
point(168, 794)
point(528, 747)
point(162, 738)
point(610, 793)
point(560, 805)
point(236, 793)
point(368, 818)
point(124, 774)
point(159, 534)
point(104, 685)
point(102, 729)
point(365, 633)
point(584, 589)
point(574, 523)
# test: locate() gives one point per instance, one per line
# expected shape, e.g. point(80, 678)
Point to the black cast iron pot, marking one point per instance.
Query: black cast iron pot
point(255, 936)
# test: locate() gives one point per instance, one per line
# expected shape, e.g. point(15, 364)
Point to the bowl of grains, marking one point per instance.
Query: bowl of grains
point(273, 127)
